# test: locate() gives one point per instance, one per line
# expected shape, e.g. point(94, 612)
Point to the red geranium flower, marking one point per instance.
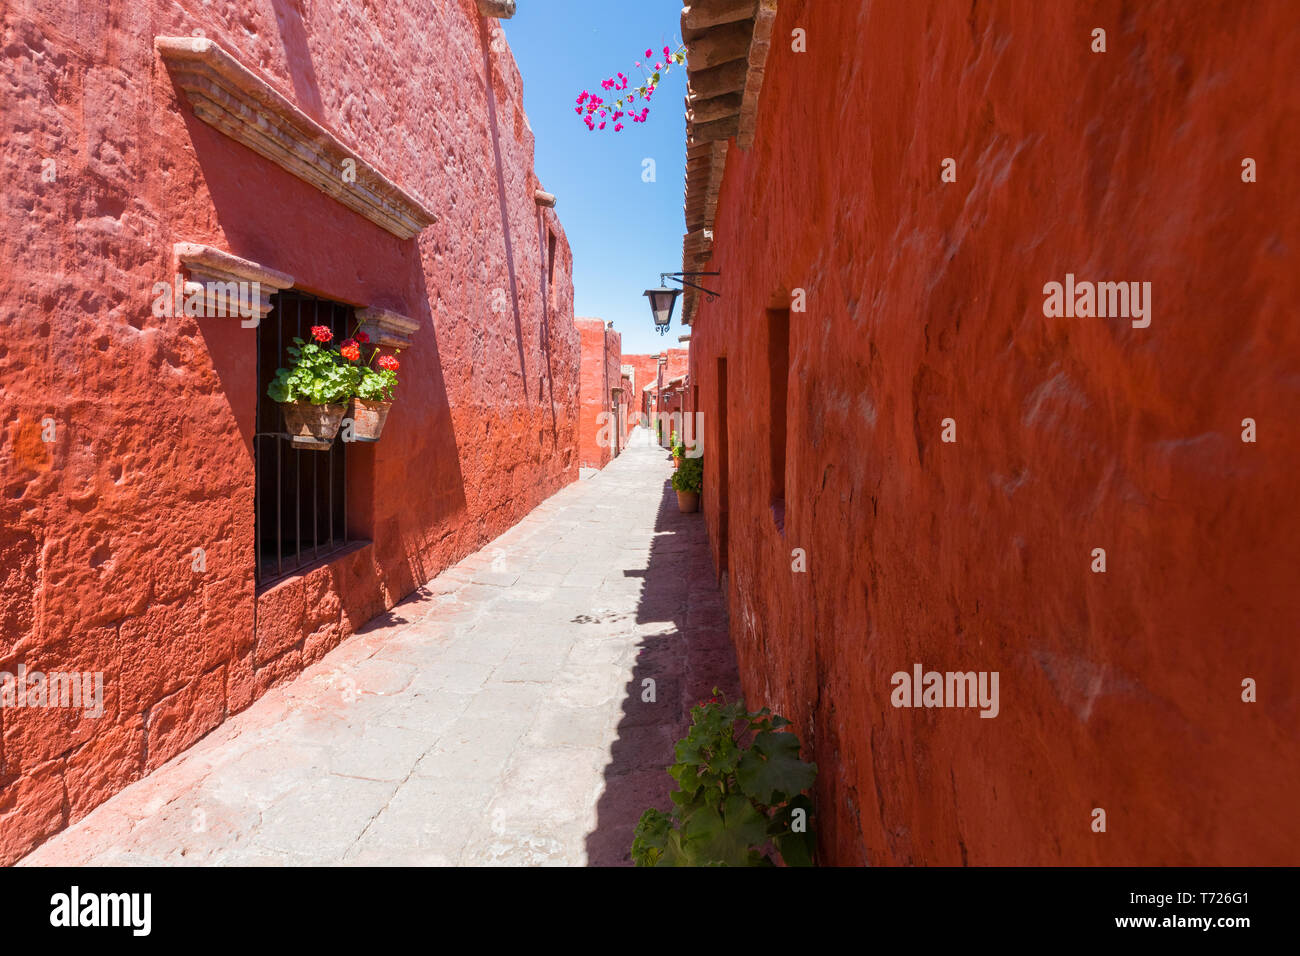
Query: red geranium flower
point(321, 333)
point(350, 350)
point(363, 338)
point(390, 363)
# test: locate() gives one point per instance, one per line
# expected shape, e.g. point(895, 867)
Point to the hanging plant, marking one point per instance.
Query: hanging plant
point(372, 396)
point(314, 390)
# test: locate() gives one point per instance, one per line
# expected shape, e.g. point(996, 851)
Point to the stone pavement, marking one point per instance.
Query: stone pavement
point(494, 717)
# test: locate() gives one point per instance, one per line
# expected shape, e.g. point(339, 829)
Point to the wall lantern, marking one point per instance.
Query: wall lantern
point(664, 298)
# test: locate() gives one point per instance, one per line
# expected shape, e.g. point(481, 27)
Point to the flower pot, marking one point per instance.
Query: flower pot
point(368, 418)
point(688, 502)
point(677, 462)
point(312, 426)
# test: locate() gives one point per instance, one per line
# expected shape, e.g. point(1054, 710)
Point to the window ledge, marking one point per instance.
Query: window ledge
point(236, 101)
point(266, 589)
point(391, 329)
point(211, 267)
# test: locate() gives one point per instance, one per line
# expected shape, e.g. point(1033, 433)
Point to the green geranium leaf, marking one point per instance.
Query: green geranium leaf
point(651, 837)
point(725, 834)
point(730, 806)
point(772, 766)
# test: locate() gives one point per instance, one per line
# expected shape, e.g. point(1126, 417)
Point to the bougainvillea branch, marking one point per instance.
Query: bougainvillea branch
point(595, 112)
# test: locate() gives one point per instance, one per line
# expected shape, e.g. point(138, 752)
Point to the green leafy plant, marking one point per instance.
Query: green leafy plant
point(316, 375)
point(689, 475)
point(677, 445)
point(377, 385)
point(735, 802)
point(374, 384)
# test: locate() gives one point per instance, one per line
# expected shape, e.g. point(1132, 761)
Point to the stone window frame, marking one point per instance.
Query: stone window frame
point(234, 100)
point(209, 267)
point(212, 269)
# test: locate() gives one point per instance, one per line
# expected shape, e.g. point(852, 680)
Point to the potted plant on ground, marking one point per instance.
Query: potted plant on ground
point(373, 396)
point(313, 392)
point(679, 449)
point(687, 482)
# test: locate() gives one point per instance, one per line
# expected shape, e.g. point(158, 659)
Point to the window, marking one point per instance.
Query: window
point(778, 361)
point(300, 502)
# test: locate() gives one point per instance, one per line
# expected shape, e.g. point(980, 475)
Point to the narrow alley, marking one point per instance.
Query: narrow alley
point(518, 709)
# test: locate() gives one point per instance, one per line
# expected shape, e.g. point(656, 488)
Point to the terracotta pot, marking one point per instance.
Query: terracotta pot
point(677, 463)
point(312, 426)
point(368, 418)
point(688, 502)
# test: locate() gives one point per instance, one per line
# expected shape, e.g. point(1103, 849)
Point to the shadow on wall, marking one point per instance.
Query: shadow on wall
point(501, 197)
point(297, 55)
point(439, 492)
point(688, 655)
point(546, 249)
point(407, 492)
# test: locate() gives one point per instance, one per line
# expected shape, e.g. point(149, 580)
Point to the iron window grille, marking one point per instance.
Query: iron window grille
point(300, 501)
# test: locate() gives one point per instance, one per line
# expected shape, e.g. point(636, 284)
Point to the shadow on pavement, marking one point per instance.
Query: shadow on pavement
point(686, 652)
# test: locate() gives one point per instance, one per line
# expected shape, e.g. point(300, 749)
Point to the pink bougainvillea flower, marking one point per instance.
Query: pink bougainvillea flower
point(666, 51)
point(617, 127)
point(321, 333)
point(649, 53)
point(602, 125)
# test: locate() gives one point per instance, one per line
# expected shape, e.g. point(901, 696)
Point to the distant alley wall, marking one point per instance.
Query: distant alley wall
point(598, 429)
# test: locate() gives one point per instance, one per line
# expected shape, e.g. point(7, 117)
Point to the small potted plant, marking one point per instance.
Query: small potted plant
point(679, 449)
point(687, 482)
point(313, 392)
point(373, 396)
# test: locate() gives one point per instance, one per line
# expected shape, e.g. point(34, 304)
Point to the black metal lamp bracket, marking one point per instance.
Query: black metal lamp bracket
point(709, 294)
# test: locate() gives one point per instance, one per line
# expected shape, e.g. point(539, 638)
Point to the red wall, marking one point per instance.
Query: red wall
point(601, 351)
point(646, 368)
point(153, 455)
point(678, 363)
point(1119, 691)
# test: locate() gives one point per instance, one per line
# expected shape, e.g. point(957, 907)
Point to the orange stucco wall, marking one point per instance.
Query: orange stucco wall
point(154, 417)
point(923, 301)
point(598, 436)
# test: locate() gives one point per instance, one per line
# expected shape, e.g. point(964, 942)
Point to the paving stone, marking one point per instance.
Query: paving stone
point(323, 817)
point(382, 752)
point(560, 726)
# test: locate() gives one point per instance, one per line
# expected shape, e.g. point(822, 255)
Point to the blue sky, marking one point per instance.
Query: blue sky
point(623, 231)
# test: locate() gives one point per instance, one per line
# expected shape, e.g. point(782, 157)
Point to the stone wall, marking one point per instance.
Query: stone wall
point(601, 358)
point(645, 370)
point(150, 454)
point(924, 301)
